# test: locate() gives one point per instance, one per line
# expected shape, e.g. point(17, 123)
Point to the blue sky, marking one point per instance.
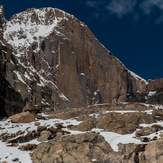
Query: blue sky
point(131, 29)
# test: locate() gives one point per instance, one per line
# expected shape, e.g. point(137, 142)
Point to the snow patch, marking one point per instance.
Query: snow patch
point(114, 139)
point(30, 26)
point(8, 154)
point(151, 93)
point(11, 128)
point(121, 111)
point(19, 76)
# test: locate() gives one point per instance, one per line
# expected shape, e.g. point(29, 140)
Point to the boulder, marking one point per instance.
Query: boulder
point(123, 123)
point(86, 125)
point(24, 117)
point(44, 136)
point(82, 148)
point(153, 152)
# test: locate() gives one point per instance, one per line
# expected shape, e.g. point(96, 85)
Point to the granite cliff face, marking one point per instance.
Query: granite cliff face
point(10, 99)
point(60, 63)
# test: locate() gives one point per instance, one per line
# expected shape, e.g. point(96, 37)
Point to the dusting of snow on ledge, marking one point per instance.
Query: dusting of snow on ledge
point(137, 76)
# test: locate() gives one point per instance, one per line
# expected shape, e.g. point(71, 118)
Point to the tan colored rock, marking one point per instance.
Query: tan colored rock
point(82, 148)
point(4, 162)
point(123, 123)
point(153, 153)
point(24, 117)
point(145, 131)
point(86, 125)
point(44, 135)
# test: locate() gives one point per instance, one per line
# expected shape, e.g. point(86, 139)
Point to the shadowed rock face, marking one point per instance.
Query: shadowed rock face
point(61, 64)
point(10, 100)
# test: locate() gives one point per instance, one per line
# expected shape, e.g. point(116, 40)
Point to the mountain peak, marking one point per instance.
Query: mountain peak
point(31, 25)
point(56, 52)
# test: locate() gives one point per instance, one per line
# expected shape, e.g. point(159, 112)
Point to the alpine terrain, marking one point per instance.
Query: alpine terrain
point(65, 98)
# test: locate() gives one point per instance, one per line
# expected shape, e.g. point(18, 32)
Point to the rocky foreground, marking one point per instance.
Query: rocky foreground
point(127, 132)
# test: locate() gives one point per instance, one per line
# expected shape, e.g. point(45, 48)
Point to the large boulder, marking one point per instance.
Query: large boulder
point(24, 117)
point(153, 153)
point(82, 148)
point(123, 123)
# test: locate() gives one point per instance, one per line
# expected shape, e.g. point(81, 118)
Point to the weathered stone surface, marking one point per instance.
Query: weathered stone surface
point(90, 147)
point(153, 153)
point(82, 148)
point(24, 117)
point(123, 123)
point(44, 135)
point(86, 125)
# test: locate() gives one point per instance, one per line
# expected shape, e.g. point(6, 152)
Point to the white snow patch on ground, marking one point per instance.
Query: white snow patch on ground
point(114, 139)
point(148, 111)
point(12, 128)
point(152, 93)
point(9, 153)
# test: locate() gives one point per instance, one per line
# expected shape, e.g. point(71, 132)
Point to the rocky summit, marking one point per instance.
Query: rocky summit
point(65, 98)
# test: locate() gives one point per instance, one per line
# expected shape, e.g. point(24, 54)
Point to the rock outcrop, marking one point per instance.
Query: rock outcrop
point(24, 117)
point(82, 148)
point(10, 99)
point(91, 147)
point(60, 63)
point(133, 136)
point(152, 153)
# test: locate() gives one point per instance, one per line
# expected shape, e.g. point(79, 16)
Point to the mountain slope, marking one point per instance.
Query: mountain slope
point(60, 63)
